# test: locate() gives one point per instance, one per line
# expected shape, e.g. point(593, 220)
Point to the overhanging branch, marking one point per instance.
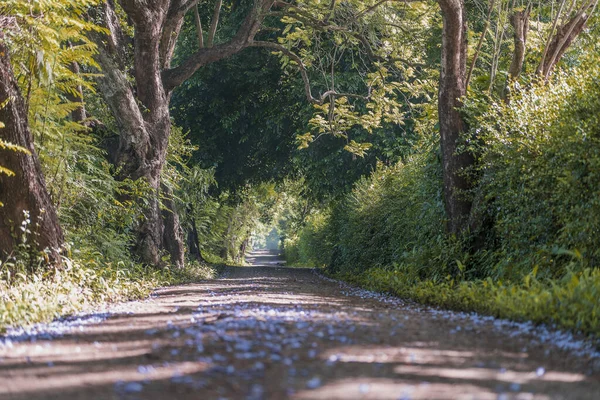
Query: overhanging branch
point(245, 35)
point(330, 94)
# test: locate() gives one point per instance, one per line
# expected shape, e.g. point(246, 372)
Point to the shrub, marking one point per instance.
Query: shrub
point(540, 168)
point(538, 194)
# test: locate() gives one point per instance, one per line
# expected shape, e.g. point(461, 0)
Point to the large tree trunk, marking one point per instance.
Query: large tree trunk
point(143, 118)
point(451, 90)
point(136, 157)
point(142, 109)
point(26, 189)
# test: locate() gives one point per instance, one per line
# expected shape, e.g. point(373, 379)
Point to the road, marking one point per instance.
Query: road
point(270, 332)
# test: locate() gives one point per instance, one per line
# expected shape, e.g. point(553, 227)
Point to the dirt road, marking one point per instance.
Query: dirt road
point(268, 332)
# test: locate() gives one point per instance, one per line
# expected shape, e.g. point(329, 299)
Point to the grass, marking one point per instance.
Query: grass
point(29, 298)
point(570, 303)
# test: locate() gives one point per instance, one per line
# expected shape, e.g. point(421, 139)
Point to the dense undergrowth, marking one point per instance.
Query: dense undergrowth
point(98, 209)
point(30, 298)
point(534, 252)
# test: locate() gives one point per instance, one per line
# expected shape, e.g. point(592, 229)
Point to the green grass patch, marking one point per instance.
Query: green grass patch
point(570, 303)
point(29, 298)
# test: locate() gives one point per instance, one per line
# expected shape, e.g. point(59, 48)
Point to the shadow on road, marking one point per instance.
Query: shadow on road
point(276, 333)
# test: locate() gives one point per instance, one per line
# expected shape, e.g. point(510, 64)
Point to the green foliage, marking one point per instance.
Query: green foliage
point(47, 37)
point(535, 252)
point(315, 248)
point(238, 173)
point(95, 210)
point(241, 118)
point(395, 217)
point(540, 165)
point(570, 302)
point(27, 298)
point(367, 53)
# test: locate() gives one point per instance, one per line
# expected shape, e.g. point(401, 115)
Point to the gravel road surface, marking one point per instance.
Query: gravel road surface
point(270, 332)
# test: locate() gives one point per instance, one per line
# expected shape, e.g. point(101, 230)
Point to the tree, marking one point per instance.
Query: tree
point(575, 21)
point(23, 192)
point(377, 28)
point(141, 105)
point(452, 88)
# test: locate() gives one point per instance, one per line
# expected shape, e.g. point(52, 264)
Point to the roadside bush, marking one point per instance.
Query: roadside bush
point(27, 298)
point(392, 219)
point(312, 247)
point(540, 168)
point(538, 194)
point(569, 303)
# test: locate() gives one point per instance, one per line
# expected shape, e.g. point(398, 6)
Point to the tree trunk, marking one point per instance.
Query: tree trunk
point(137, 156)
point(194, 242)
point(193, 238)
point(173, 233)
point(26, 189)
point(520, 22)
point(563, 38)
point(144, 129)
point(142, 109)
point(243, 248)
point(451, 90)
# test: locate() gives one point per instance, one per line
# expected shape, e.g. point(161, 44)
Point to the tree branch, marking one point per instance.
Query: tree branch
point(245, 35)
point(171, 28)
point(198, 27)
point(550, 35)
point(214, 23)
point(480, 43)
point(565, 35)
point(330, 94)
point(322, 26)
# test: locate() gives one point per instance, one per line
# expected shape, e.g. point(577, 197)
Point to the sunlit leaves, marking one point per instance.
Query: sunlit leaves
point(360, 149)
point(46, 39)
point(365, 52)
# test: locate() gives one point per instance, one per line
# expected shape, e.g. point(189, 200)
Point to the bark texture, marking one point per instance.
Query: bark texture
point(141, 108)
point(194, 243)
point(563, 39)
point(451, 90)
point(520, 22)
point(26, 189)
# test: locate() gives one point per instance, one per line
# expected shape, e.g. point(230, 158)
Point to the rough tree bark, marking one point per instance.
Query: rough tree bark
point(563, 39)
point(451, 90)
point(142, 108)
point(520, 22)
point(26, 189)
point(193, 239)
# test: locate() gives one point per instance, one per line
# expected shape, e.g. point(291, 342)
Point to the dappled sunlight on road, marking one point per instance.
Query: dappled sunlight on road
point(276, 333)
point(397, 389)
